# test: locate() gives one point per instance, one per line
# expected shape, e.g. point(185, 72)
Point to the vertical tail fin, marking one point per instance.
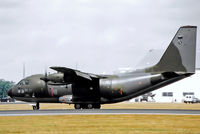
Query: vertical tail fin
point(180, 54)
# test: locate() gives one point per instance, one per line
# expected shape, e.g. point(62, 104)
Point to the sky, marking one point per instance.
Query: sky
point(96, 36)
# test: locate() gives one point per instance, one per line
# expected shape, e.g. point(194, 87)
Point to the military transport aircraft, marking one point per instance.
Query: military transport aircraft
point(88, 91)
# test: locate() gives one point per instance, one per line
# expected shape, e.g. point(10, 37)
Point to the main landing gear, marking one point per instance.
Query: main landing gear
point(37, 106)
point(87, 106)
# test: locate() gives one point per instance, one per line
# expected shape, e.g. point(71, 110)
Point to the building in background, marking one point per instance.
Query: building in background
point(175, 92)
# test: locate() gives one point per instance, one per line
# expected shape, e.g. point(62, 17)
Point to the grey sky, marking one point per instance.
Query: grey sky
point(98, 35)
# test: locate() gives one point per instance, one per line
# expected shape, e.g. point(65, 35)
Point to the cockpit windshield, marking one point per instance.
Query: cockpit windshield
point(23, 82)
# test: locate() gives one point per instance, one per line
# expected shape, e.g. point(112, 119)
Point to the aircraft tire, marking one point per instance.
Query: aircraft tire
point(35, 108)
point(77, 106)
point(90, 106)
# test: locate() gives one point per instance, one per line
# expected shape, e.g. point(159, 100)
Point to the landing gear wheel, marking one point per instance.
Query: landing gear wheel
point(89, 106)
point(77, 106)
point(37, 106)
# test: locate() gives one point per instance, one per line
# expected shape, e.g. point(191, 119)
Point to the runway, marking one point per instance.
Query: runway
point(99, 112)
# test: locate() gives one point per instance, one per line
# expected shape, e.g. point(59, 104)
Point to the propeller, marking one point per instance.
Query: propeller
point(45, 78)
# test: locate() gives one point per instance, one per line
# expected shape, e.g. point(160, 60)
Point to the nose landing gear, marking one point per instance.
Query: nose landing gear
point(37, 106)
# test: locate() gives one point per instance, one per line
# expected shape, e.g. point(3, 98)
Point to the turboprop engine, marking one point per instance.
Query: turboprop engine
point(54, 78)
point(59, 90)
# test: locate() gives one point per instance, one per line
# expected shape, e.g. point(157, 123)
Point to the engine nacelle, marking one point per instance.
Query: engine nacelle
point(56, 77)
point(59, 90)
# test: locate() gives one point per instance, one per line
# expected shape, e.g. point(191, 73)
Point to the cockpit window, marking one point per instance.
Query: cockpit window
point(23, 82)
point(26, 82)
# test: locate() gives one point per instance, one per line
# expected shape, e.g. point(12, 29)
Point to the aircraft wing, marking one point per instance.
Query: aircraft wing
point(73, 73)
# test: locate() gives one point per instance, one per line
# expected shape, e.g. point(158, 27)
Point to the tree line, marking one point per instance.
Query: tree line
point(4, 87)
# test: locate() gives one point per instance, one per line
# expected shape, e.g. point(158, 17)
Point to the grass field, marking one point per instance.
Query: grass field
point(101, 124)
point(123, 105)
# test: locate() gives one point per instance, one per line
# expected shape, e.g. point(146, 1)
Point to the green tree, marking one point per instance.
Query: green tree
point(4, 87)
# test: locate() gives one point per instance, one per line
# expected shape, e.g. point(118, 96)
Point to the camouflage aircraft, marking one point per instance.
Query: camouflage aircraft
point(88, 91)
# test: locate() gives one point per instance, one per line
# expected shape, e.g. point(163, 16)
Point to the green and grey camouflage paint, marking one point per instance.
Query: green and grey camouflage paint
point(87, 90)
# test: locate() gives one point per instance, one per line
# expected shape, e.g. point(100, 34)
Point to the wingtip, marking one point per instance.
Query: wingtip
point(189, 26)
point(53, 67)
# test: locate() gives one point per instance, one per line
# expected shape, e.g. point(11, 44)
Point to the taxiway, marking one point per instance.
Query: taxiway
point(98, 112)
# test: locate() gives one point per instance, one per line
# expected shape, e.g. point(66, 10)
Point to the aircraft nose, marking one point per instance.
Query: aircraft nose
point(10, 92)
